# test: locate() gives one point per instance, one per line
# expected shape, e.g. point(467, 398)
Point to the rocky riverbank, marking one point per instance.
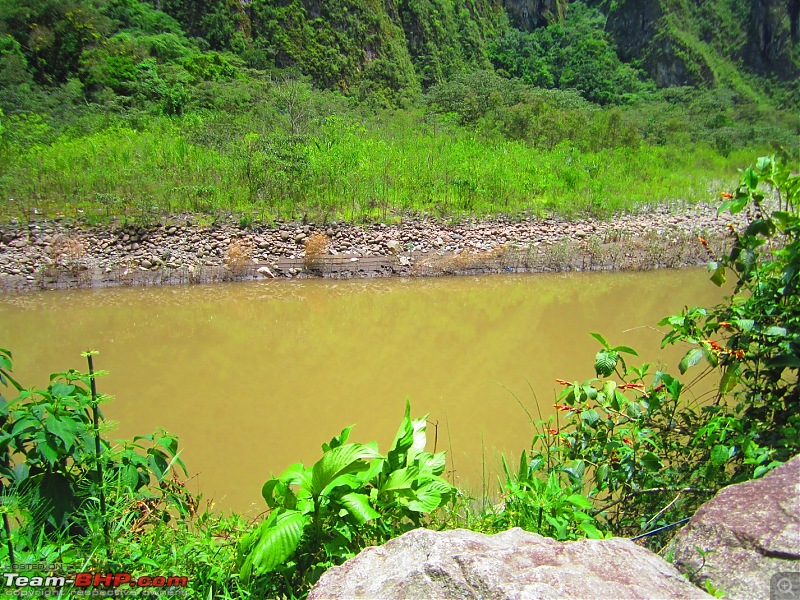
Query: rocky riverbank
point(196, 249)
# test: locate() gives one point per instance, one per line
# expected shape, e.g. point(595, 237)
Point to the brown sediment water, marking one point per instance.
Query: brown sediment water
point(253, 377)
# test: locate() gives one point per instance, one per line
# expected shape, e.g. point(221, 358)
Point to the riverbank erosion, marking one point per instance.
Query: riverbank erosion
point(198, 249)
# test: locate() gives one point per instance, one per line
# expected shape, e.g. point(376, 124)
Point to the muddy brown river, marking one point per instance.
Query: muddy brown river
point(255, 376)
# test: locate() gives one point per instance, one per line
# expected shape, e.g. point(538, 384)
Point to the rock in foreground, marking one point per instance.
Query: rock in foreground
point(748, 533)
point(514, 564)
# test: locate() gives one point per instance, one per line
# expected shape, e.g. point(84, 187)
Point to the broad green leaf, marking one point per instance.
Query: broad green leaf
point(775, 331)
point(158, 464)
point(404, 439)
point(62, 390)
point(169, 443)
point(576, 470)
point(750, 179)
point(729, 378)
point(559, 525)
point(719, 455)
point(64, 428)
point(278, 494)
point(296, 474)
point(433, 464)
point(338, 461)
point(129, 477)
point(590, 417)
point(591, 531)
point(784, 360)
point(425, 502)
point(358, 506)
point(400, 479)
point(278, 539)
point(763, 227)
point(604, 363)
point(600, 339)
point(418, 437)
point(601, 473)
point(430, 496)
point(580, 501)
point(626, 350)
point(783, 219)
point(375, 468)
point(338, 440)
point(651, 461)
point(738, 205)
point(579, 515)
point(718, 277)
point(351, 480)
point(690, 359)
point(49, 453)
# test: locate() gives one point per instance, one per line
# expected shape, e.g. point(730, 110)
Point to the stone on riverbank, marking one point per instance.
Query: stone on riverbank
point(747, 533)
point(512, 564)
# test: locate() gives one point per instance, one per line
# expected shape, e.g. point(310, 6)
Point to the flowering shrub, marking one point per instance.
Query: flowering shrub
point(633, 443)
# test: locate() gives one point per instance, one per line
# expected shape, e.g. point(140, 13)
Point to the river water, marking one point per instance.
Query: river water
point(255, 376)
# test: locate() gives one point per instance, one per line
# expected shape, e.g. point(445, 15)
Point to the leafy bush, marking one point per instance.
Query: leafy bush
point(576, 54)
point(351, 498)
point(759, 328)
point(636, 442)
point(55, 466)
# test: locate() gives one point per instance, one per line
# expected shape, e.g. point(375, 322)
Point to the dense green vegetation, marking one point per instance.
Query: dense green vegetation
point(350, 110)
point(363, 111)
point(631, 452)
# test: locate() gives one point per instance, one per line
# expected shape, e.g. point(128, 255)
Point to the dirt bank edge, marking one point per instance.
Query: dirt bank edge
point(195, 249)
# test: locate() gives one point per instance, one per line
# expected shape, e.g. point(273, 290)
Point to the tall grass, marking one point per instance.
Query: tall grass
point(343, 169)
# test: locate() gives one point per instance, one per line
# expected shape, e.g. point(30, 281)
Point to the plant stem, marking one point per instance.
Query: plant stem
point(7, 529)
point(97, 450)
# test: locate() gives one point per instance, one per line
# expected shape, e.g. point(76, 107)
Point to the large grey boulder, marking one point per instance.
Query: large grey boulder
point(514, 564)
point(746, 534)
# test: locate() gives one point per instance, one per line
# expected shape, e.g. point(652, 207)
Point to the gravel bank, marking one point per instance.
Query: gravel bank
point(57, 254)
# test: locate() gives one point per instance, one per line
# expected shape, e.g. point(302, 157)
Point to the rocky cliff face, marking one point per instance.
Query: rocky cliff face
point(397, 44)
point(773, 29)
point(531, 14)
point(675, 49)
point(641, 31)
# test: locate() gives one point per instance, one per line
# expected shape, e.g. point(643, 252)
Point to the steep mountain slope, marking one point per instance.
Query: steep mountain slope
point(392, 45)
point(390, 50)
point(680, 42)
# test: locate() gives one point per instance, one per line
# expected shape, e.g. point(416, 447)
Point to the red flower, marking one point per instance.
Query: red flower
point(632, 386)
point(627, 441)
point(552, 431)
point(727, 196)
point(562, 407)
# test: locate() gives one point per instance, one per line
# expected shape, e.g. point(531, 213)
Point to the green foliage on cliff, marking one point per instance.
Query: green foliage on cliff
point(576, 54)
point(251, 105)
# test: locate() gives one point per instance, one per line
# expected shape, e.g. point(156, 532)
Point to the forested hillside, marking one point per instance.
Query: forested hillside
point(249, 88)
